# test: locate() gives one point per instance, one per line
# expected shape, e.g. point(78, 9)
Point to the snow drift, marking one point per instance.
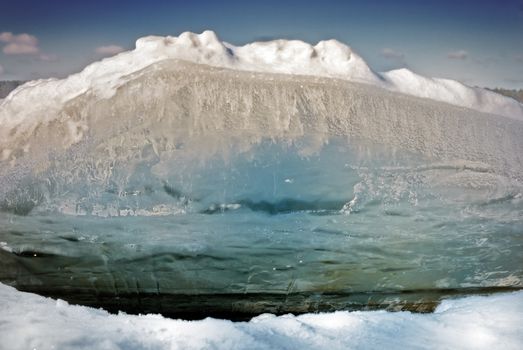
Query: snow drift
point(30, 321)
point(322, 88)
point(328, 58)
point(166, 102)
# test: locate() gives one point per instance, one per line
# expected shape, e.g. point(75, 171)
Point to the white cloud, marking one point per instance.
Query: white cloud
point(20, 49)
point(24, 44)
point(19, 44)
point(458, 55)
point(24, 38)
point(109, 50)
point(6, 37)
point(391, 54)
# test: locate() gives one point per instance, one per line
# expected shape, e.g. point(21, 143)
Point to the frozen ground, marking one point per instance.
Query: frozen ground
point(28, 321)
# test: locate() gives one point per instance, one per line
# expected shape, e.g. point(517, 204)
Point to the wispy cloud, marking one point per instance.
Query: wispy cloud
point(48, 58)
point(19, 44)
point(392, 54)
point(458, 55)
point(24, 44)
point(109, 50)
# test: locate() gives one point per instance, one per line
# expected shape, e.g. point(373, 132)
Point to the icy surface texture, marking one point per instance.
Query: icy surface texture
point(28, 321)
point(258, 192)
point(159, 107)
point(378, 227)
point(193, 180)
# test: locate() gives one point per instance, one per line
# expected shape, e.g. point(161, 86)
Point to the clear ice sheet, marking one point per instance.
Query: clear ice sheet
point(277, 218)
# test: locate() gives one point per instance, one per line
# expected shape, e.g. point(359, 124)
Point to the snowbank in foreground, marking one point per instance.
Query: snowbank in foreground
point(28, 321)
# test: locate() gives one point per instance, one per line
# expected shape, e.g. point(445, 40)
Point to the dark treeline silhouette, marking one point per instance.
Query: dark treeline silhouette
point(515, 94)
point(7, 86)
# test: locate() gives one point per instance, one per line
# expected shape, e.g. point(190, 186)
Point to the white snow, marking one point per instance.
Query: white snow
point(453, 92)
point(42, 99)
point(29, 321)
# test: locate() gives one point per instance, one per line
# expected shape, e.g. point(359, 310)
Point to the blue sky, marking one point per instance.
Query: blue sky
point(477, 42)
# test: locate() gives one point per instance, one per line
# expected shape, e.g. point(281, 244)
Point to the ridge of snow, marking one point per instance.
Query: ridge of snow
point(453, 92)
point(30, 321)
point(42, 99)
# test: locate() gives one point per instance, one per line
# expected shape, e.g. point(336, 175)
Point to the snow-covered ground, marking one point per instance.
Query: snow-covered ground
point(29, 321)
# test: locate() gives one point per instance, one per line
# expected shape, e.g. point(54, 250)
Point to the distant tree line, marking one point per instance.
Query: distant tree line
point(7, 86)
point(515, 94)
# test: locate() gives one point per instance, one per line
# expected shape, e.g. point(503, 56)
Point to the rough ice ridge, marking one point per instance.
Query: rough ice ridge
point(330, 58)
